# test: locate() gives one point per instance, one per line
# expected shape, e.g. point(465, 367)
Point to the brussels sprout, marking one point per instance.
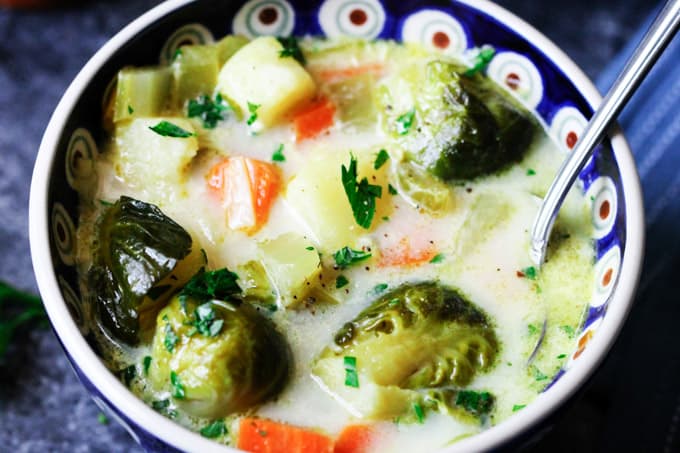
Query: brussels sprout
point(460, 127)
point(418, 337)
point(141, 257)
point(217, 357)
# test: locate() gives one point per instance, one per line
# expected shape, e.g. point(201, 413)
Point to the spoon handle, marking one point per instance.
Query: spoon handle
point(647, 52)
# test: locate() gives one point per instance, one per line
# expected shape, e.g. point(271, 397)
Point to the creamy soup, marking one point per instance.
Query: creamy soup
point(308, 244)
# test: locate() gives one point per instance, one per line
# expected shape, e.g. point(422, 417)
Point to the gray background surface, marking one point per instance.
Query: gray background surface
point(42, 405)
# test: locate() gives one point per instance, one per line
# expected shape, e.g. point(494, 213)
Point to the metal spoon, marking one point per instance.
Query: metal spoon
point(647, 52)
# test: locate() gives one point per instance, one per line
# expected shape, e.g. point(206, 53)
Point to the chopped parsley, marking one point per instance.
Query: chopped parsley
point(346, 257)
point(420, 414)
point(393, 302)
point(568, 330)
point(538, 375)
point(130, 110)
point(484, 56)
point(517, 407)
point(209, 111)
point(561, 356)
point(341, 281)
point(379, 288)
point(351, 376)
point(531, 172)
point(177, 54)
point(405, 121)
point(391, 189)
point(171, 338)
point(529, 272)
point(438, 258)
point(146, 363)
point(361, 195)
point(167, 129)
point(310, 248)
point(128, 374)
point(163, 406)
point(205, 322)
point(291, 49)
point(177, 387)
point(475, 402)
point(204, 286)
point(252, 109)
point(213, 430)
point(380, 159)
point(278, 154)
point(533, 330)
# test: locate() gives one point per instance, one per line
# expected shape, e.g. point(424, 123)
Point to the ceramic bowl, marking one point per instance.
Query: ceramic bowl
point(526, 62)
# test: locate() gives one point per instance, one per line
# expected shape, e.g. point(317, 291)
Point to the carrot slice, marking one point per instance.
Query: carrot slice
point(405, 254)
point(247, 188)
point(354, 439)
point(266, 436)
point(314, 119)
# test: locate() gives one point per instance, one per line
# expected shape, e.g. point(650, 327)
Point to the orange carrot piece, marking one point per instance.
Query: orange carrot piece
point(355, 439)
point(404, 254)
point(334, 75)
point(258, 435)
point(314, 119)
point(248, 188)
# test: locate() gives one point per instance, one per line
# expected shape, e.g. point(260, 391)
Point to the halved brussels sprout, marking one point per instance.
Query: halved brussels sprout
point(141, 257)
point(217, 357)
point(415, 338)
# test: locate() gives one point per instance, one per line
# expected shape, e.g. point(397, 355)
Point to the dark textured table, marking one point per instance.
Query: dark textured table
point(43, 408)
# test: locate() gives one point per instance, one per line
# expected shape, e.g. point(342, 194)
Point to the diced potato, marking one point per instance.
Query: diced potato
point(153, 163)
point(293, 265)
point(141, 92)
point(195, 73)
point(318, 196)
point(257, 74)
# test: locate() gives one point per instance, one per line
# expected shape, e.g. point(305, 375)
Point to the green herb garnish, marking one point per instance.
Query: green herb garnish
point(482, 60)
point(146, 363)
point(346, 257)
point(310, 248)
point(341, 281)
point(209, 111)
point(130, 110)
point(205, 321)
point(17, 310)
point(517, 407)
point(405, 121)
point(128, 374)
point(167, 129)
point(379, 288)
point(380, 159)
point(420, 415)
point(475, 402)
point(351, 376)
point(561, 356)
point(538, 375)
point(438, 258)
point(568, 330)
point(177, 387)
point(252, 109)
point(391, 189)
point(177, 54)
point(361, 195)
point(204, 286)
point(531, 172)
point(291, 49)
point(533, 330)
point(170, 339)
point(278, 154)
point(529, 272)
point(213, 430)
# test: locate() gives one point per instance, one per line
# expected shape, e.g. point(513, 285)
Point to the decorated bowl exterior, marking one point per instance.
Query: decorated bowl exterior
point(525, 63)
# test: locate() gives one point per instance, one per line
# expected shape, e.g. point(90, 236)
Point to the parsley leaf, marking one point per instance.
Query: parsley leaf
point(361, 195)
point(204, 286)
point(341, 281)
point(531, 172)
point(482, 60)
point(130, 110)
point(205, 321)
point(346, 257)
point(213, 430)
point(380, 159)
point(529, 272)
point(177, 387)
point(517, 407)
point(209, 111)
point(291, 49)
point(420, 415)
point(171, 338)
point(379, 288)
point(351, 376)
point(278, 154)
point(146, 363)
point(167, 129)
point(128, 374)
point(568, 330)
point(252, 109)
point(405, 121)
point(391, 189)
point(17, 310)
point(438, 258)
point(475, 402)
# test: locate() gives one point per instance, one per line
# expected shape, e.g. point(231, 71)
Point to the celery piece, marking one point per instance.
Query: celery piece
point(195, 73)
point(141, 92)
point(354, 100)
point(228, 47)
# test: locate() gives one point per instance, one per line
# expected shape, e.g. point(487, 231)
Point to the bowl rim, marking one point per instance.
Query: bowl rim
point(92, 367)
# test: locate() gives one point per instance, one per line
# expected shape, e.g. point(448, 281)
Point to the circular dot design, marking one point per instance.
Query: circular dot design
point(264, 18)
point(73, 303)
point(567, 126)
point(519, 75)
point(435, 30)
point(604, 205)
point(356, 18)
point(584, 339)
point(190, 34)
point(80, 168)
point(63, 234)
point(606, 273)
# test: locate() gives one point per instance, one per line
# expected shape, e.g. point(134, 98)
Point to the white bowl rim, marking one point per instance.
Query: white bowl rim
point(184, 439)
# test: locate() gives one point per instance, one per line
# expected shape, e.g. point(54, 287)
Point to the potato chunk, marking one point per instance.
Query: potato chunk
point(257, 74)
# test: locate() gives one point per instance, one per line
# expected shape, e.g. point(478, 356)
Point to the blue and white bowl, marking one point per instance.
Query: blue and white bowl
point(526, 62)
